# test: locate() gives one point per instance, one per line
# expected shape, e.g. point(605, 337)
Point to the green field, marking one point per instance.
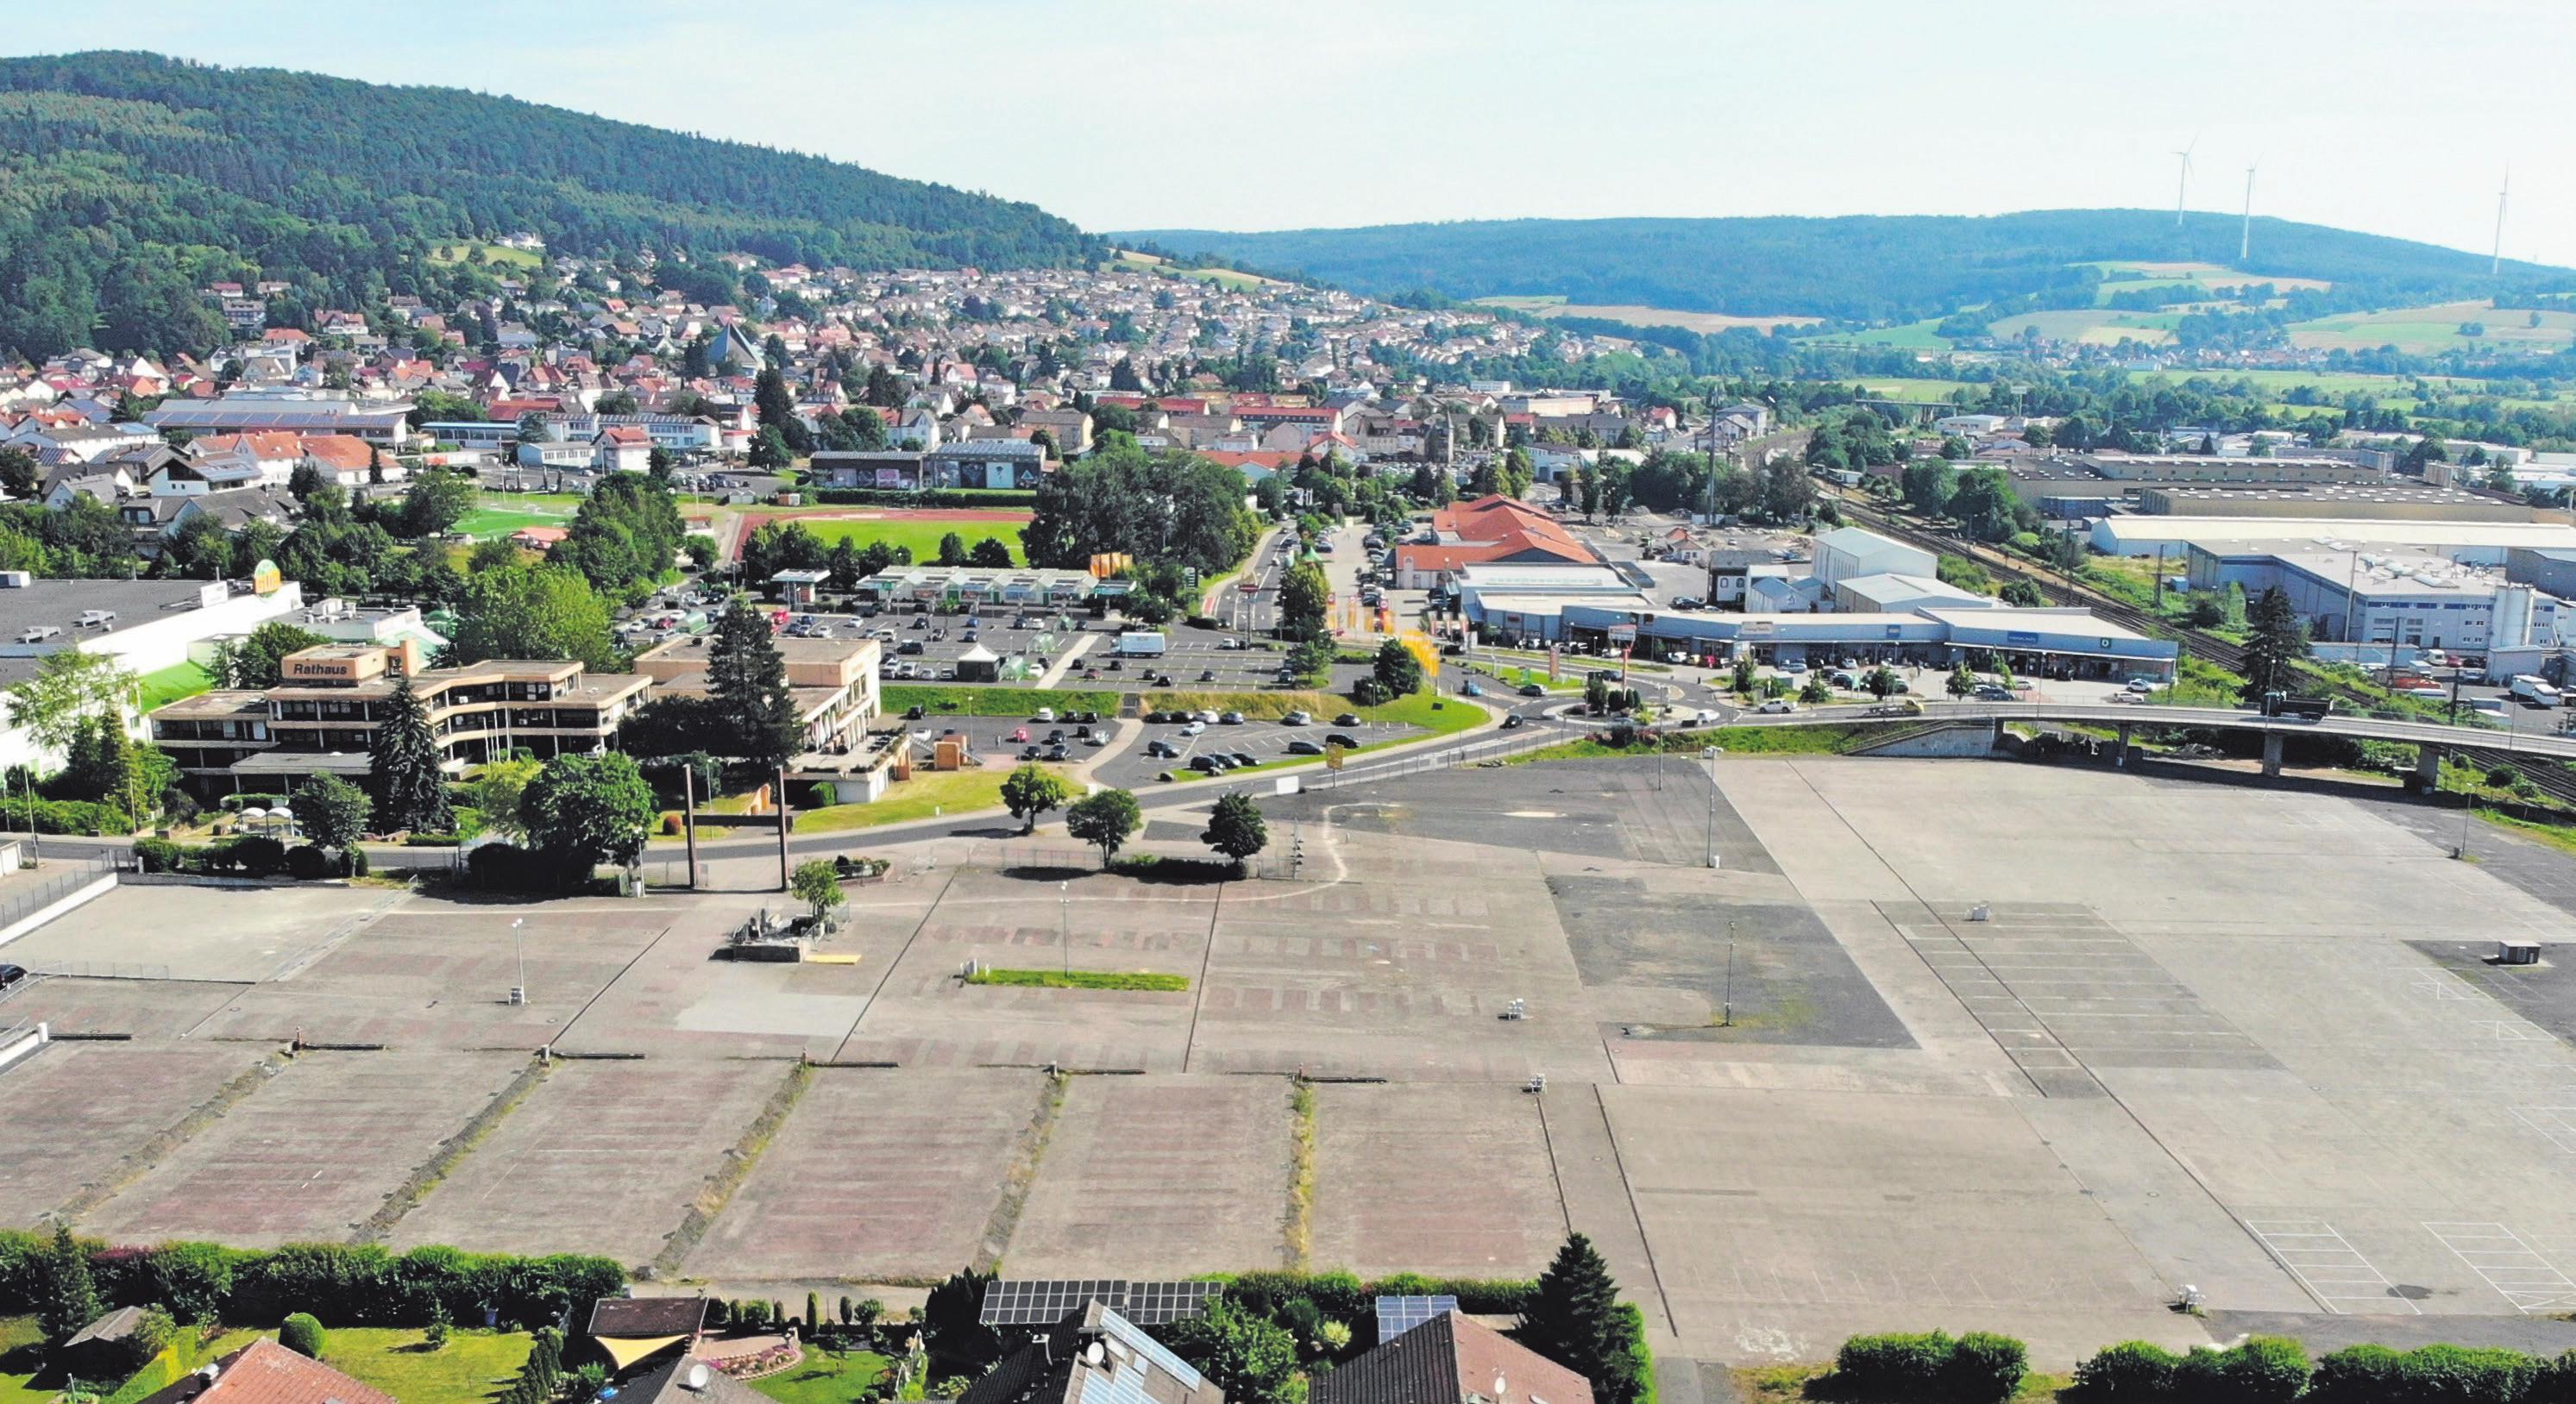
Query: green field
point(1912, 336)
point(2426, 331)
point(2090, 326)
point(927, 795)
point(1924, 389)
point(918, 536)
point(979, 701)
point(500, 513)
point(1222, 277)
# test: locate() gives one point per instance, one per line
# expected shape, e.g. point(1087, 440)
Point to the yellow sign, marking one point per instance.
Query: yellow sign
point(1333, 756)
point(1424, 651)
point(264, 578)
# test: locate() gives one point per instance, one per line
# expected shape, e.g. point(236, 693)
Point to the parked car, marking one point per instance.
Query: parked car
point(1162, 750)
point(1231, 718)
point(1058, 752)
point(1243, 758)
point(1298, 718)
point(1044, 715)
point(1207, 765)
point(1776, 706)
point(1347, 719)
point(2140, 686)
point(1194, 728)
point(1303, 747)
point(1342, 739)
point(11, 974)
point(1988, 692)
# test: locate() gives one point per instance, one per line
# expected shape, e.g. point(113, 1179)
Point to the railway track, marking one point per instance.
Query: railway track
point(2062, 589)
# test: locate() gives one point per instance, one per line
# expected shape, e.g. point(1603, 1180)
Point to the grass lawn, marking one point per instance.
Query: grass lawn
point(1082, 979)
point(1912, 336)
point(823, 1378)
point(168, 685)
point(21, 1351)
point(475, 1366)
point(926, 795)
point(2434, 329)
point(1777, 1384)
point(1255, 706)
point(1823, 739)
point(915, 535)
point(456, 250)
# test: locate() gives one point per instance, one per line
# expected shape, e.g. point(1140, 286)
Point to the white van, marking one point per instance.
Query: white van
point(96, 618)
point(39, 634)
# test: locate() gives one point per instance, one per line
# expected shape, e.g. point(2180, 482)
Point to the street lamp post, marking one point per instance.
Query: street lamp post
point(1064, 923)
point(519, 939)
point(1709, 754)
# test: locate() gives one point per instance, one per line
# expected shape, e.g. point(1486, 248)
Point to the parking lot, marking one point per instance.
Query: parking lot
point(1267, 742)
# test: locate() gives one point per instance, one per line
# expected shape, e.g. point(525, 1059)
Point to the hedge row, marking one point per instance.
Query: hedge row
point(2262, 1370)
point(257, 856)
point(936, 497)
point(2440, 1374)
point(1344, 1296)
point(1931, 1368)
point(67, 817)
point(341, 1285)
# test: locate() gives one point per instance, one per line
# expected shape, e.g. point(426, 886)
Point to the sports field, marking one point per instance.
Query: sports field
point(919, 532)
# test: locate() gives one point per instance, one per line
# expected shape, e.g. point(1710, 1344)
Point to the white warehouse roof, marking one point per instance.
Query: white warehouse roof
point(2141, 535)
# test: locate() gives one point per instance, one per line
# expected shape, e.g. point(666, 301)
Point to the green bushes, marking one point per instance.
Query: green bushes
point(1344, 1296)
point(302, 1334)
point(305, 863)
point(250, 856)
point(339, 1285)
point(1977, 1368)
point(2441, 1374)
point(2129, 1370)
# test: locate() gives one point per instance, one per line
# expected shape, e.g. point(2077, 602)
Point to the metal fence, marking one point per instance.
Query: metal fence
point(64, 876)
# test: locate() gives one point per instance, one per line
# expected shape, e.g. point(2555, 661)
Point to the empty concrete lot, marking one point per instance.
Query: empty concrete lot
point(2214, 1035)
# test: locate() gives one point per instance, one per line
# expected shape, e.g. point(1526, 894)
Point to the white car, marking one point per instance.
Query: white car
point(1194, 728)
point(2129, 697)
point(1300, 718)
point(1777, 706)
point(1706, 716)
point(1044, 714)
point(2141, 686)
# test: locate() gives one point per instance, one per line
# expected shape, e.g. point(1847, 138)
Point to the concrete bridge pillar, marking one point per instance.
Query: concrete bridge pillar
point(2271, 754)
point(2428, 770)
point(2120, 753)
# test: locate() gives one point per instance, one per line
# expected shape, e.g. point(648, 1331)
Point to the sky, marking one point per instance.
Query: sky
point(2398, 117)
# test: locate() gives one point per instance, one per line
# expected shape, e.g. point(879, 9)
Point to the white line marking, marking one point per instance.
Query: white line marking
point(2508, 1264)
point(2321, 1259)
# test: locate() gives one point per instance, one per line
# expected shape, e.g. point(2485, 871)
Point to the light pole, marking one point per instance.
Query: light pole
point(1064, 924)
point(1729, 1019)
point(519, 938)
point(1709, 754)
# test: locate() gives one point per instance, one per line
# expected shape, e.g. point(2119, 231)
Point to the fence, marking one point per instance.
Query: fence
point(64, 876)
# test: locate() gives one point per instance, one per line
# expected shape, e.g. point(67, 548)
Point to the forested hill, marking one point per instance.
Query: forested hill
point(124, 176)
point(1857, 267)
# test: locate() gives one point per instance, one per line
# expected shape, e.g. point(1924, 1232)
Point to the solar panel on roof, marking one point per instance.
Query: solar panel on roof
point(1397, 1315)
point(1045, 1301)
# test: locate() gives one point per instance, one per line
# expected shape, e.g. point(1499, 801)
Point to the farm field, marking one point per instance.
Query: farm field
point(2435, 329)
point(1222, 277)
point(918, 532)
point(1640, 316)
point(1912, 336)
point(2207, 275)
point(2090, 326)
point(456, 251)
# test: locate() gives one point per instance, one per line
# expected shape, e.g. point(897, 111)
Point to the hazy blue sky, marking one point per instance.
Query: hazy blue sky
point(2394, 116)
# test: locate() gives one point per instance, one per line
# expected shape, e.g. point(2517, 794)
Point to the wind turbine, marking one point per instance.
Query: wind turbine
point(2245, 237)
point(2182, 188)
point(2495, 261)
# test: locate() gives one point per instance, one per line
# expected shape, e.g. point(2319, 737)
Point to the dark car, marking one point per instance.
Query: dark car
point(1532, 690)
point(1347, 719)
point(1162, 750)
point(1511, 720)
point(1303, 747)
point(11, 974)
point(1058, 752)
point(910, 646)
point(1207, 765)
point(1243, 758)
point(1343, 739)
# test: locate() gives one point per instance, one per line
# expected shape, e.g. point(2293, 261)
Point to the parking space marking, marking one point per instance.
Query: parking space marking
point(2501, 1258)
point(2556, 1123)
point(2327, 1264)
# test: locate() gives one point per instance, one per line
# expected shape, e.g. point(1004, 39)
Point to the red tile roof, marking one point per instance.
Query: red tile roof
point(265, 1372)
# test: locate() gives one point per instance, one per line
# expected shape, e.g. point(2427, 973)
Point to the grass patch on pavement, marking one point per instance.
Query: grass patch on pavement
point(1255, 706)
point(927, 795)
point(1082, 979)
point(1439, 716)
point(824, 1377)
point(1824, 739)
point(974, 701)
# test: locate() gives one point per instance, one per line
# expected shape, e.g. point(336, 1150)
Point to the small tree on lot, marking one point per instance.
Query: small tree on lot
point(1882, 682)
point(332, 812)
point(1105, 821)
point(1396, 669)
point(411, 791)
point(1030, 791)
point(1961, 681)
point(817, 884)
point(1744, 678)
point(1816, 690)
point(66, 1295)
point(1575, 1320)
point(583, 811)
point(1312, 659)
point(302, 1334)
point(2275, 639)
point(1236, 830)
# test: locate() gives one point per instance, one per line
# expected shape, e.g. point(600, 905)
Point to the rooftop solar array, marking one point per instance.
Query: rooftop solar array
point(1397, 1315)
point(1044, 1302)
